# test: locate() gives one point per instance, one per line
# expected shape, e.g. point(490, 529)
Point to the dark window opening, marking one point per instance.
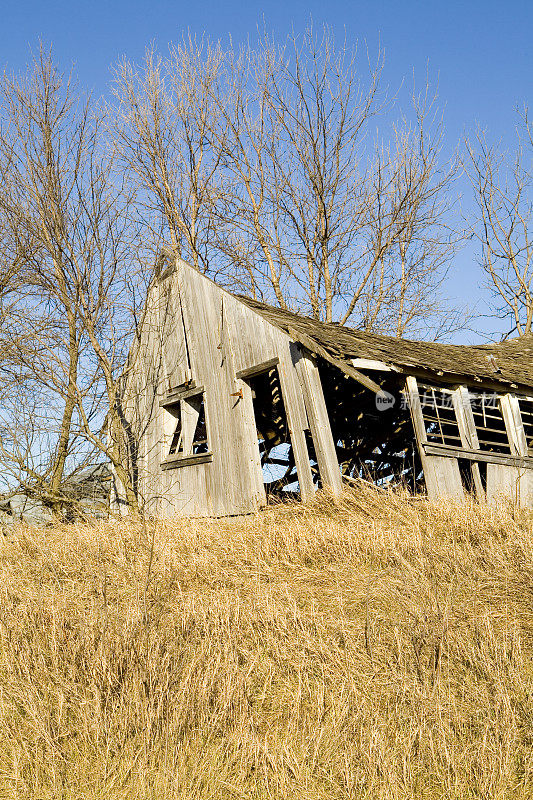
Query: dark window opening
point(200, 443)
point(483, 472)
point(466, 468)
point(313, 460)
point(275, 448)
point(467, 478)
point(490, 424)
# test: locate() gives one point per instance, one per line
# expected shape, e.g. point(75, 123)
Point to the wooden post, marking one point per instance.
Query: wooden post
point(518, 481)
point(441, 474)
point(317, 415)
point(468, 433)
point(513, 424)
point(296, 419)
point(250, 444)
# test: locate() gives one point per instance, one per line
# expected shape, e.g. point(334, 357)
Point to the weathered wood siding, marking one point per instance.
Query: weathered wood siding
point(193, 330)
point(195, 333)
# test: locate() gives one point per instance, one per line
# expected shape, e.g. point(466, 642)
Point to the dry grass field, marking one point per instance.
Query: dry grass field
point(378, 647)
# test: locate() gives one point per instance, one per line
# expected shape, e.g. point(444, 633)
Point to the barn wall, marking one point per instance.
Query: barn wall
point(194, 330)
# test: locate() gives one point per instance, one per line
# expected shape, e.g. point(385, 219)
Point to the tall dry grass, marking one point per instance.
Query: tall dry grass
point(377, 647)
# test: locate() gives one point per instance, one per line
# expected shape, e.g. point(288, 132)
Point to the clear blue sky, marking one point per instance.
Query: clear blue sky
point(481, 50)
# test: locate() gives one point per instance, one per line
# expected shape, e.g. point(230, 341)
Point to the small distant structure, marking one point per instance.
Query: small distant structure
point(231, 401)
point(86, 494)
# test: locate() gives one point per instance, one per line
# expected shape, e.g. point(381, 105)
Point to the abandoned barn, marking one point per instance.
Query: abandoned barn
point(230, 401)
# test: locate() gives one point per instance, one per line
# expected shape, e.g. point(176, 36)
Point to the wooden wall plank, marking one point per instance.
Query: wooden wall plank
point(468, 433)
point(518, 481)
point(503, 482)
point(513, 424)
point(317, 415)
point(296, 417)
point(229, 484)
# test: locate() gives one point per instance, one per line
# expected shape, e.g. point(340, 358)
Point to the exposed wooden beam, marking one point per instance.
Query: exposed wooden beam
point(186, 461)
point(371, 363)
point(468, 432)
point(257, 369)
point(478, 455)
point(176, 395)
point(314, 347)
point(318, 417)
point(513, 423)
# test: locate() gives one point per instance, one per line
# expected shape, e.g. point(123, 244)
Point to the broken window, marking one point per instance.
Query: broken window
point(526, 411)
point(439, 415)
point(189, 437)
point(490, 424)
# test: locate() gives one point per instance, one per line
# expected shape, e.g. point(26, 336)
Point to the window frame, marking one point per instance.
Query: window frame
point(527, 423)
point(180, 404)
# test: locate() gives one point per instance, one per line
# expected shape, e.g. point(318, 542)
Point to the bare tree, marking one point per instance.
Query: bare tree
point(502, 189)
point(163, 117)
point(65, 227)
point(350, 231)
point(411, 241)
point(297, 145)
point(265, 169)
point(260, 166)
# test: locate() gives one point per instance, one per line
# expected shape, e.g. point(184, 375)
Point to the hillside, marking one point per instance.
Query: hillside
point(378, 647)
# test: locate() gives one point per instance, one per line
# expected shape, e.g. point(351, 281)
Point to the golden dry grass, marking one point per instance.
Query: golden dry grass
point(377, 647)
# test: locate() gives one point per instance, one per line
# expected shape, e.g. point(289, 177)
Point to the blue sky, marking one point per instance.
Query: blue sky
point(480, 51)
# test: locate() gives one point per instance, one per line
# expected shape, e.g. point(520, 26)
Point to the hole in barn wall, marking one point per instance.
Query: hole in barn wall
point(277, 459)
point(467, 477)
point(373, 435)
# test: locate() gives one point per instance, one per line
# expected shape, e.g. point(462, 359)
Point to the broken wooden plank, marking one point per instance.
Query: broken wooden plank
point(478, 455)
point(373, 364)
point(180, 394)
point(518, 480)
point(318, 417)
point(468, 433)
point(257, 369)
point(186, 461)
point(513, 424)
point(315, 347)
point(296, 419)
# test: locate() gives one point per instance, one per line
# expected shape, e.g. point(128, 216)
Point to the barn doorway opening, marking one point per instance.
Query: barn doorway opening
point(280, 476)
point(373, 435)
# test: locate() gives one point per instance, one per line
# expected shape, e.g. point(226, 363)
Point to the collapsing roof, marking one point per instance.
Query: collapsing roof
point(509, 363)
